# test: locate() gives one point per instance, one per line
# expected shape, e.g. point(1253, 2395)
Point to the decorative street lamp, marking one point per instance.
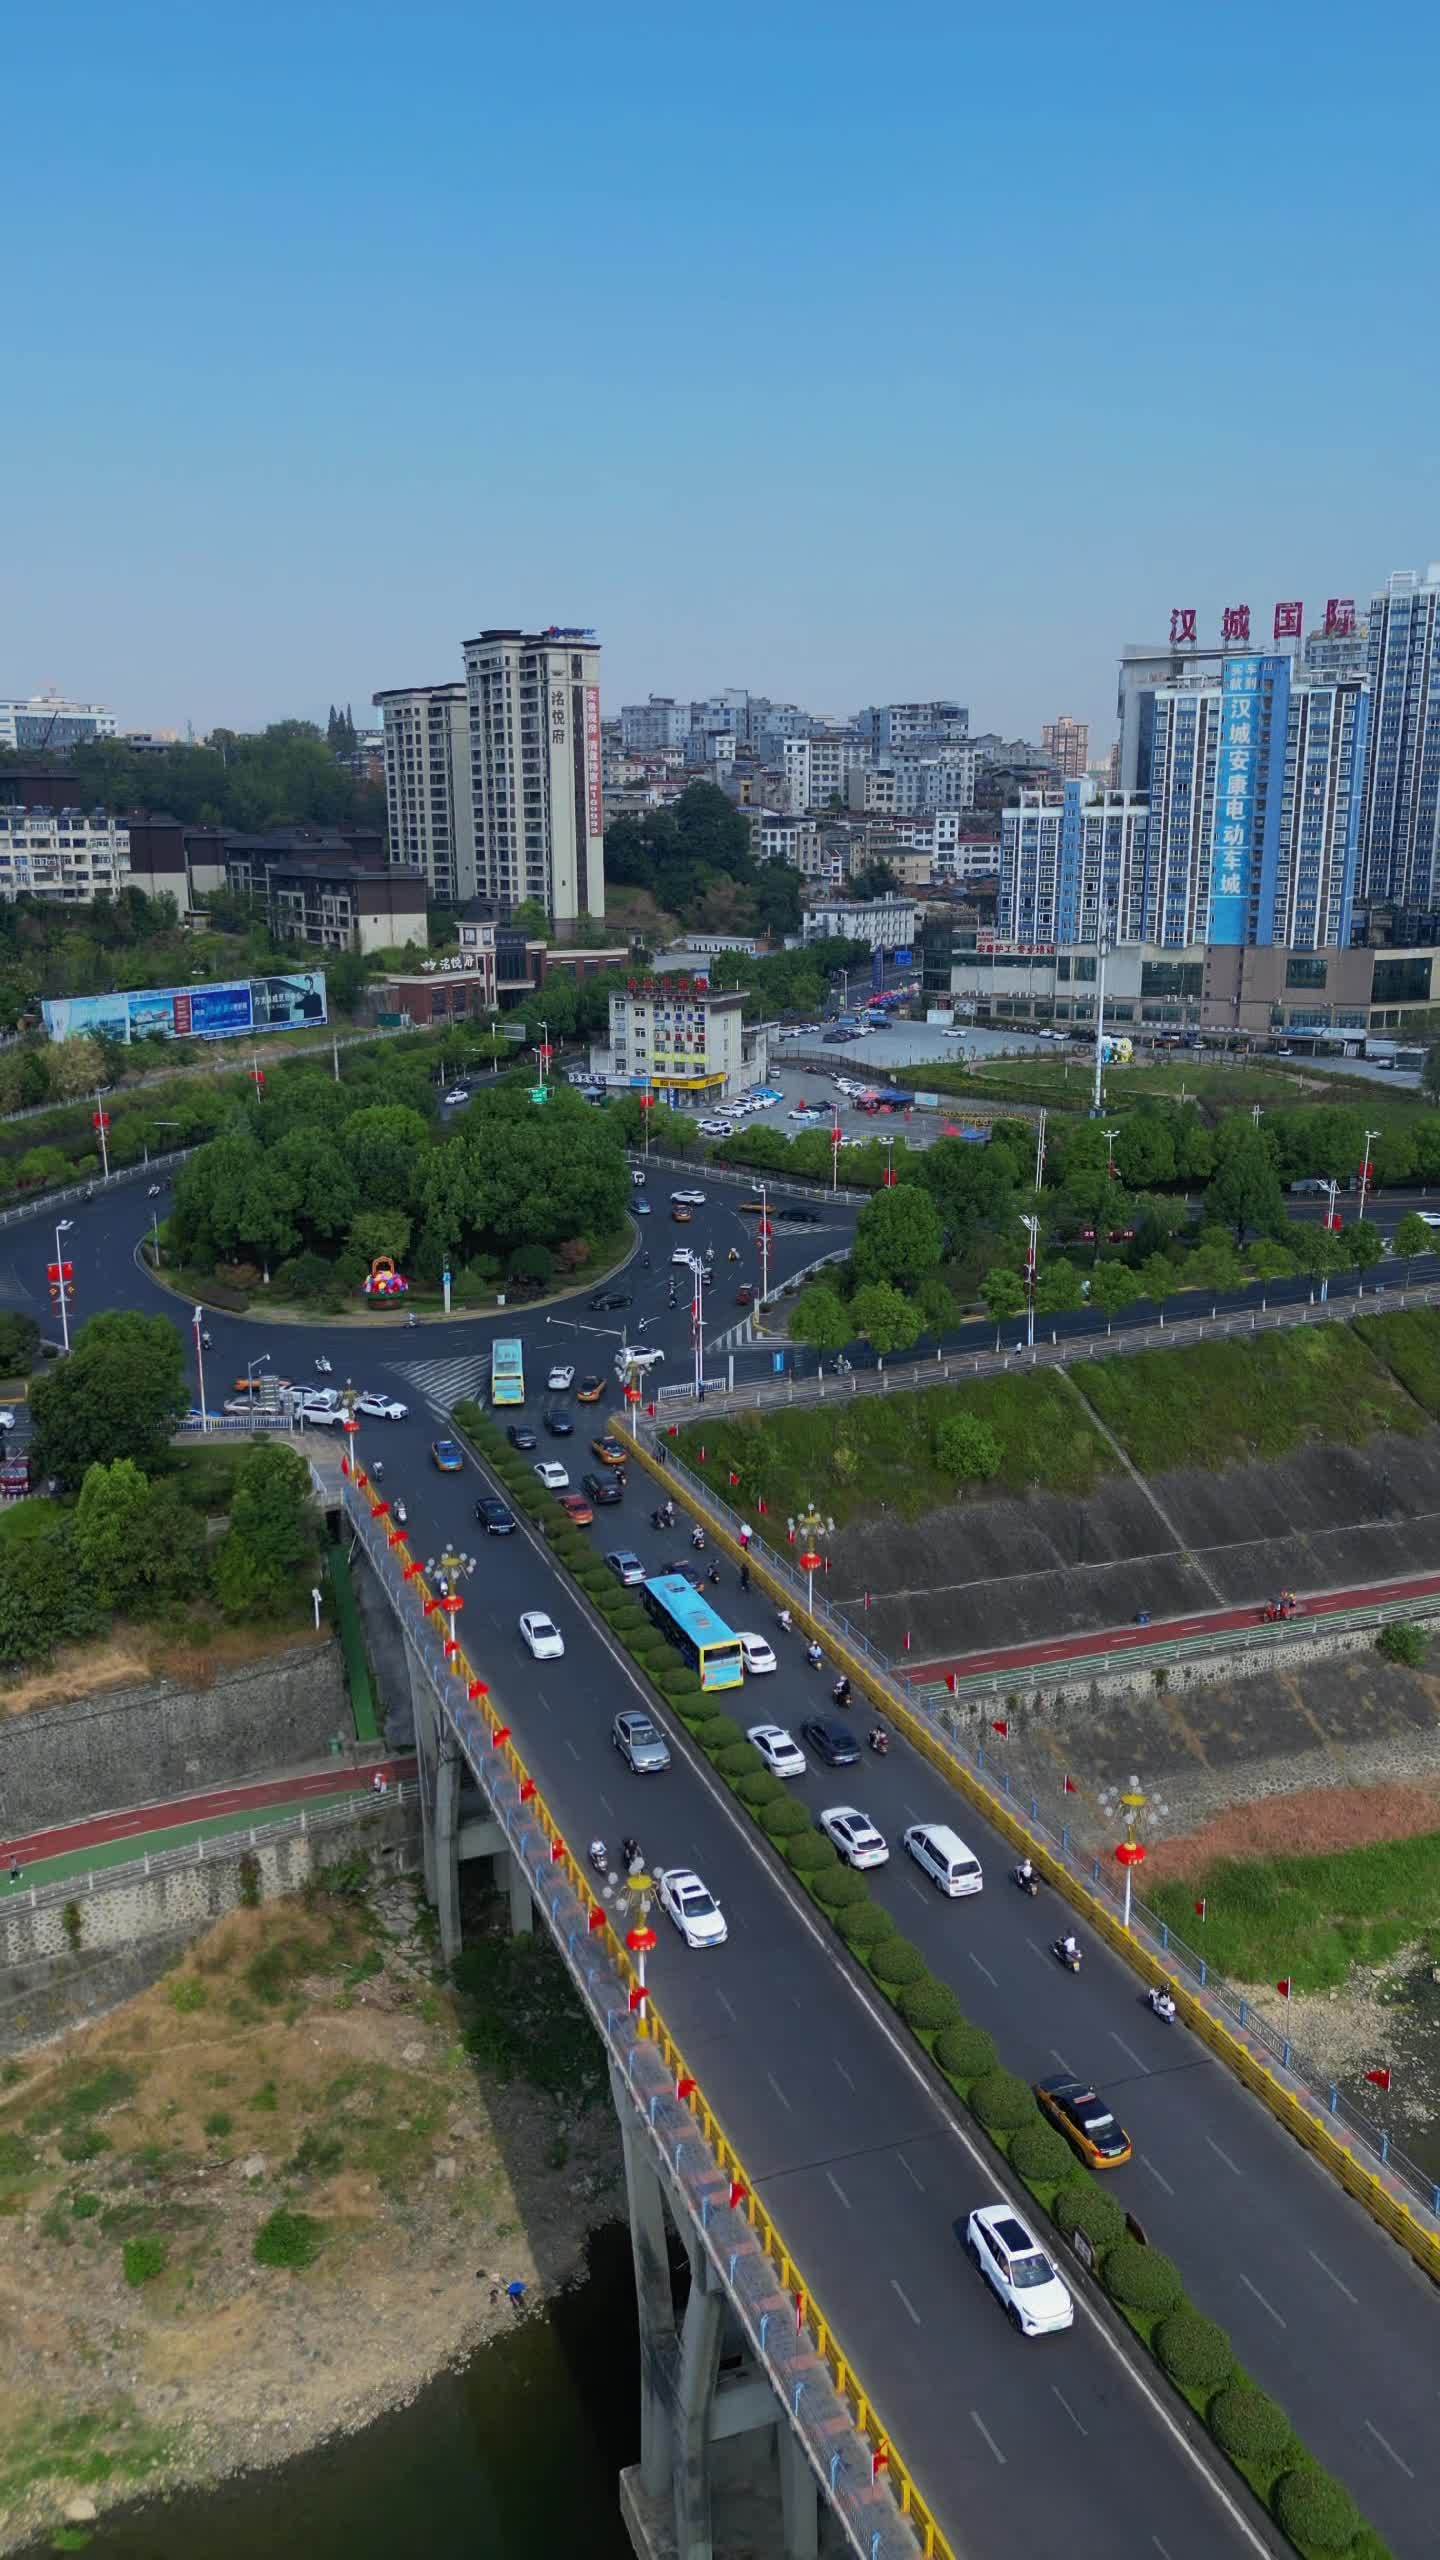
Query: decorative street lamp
point(811, 1525)
point(1133, 1807)
point(63, 1280)
point(1032, 1256)
point(1367, 1173)
point(640, 1939)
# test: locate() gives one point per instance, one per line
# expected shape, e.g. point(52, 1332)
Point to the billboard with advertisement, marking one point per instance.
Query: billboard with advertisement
point(595, 798)
point(217, 1012)
point(1236, 769)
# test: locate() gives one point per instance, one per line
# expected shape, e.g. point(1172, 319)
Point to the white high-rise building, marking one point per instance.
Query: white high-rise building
point(1400, 856)
point(912, 784)
point(535, 770)
point(427, 784)
point(649, 727)
point(912, 724)
point(49, 724)
point(818, 769)
point(1072, 867)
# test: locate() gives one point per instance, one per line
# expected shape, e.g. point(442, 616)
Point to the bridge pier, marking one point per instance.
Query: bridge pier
point(522, 1906)
point(439, 1773)
point(720, 2473)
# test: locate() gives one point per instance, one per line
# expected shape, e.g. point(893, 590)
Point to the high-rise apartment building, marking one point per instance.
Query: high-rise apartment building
point(818, 769)
point(912, 724)
point(1067, 744)
point(1072, 866)
point(1327, 735)
point(47, 721)
point(535, 771)
point(1400, 851)
point(649, 727)
point(427, 784)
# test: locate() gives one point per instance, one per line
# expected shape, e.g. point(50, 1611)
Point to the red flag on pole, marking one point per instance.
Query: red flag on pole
point(1284, 1988)
point(952, 1682)
point(999, 1725)
point(1200, 1906)
point(905, 1639)
point(1072, 1786)
point(1379, 2079)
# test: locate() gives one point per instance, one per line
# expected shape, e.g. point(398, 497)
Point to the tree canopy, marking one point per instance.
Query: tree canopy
point(119, 1395)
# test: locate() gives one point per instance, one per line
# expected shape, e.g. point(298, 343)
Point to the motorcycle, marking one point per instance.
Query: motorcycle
point(1278, 1612)
point(1027, 1879)
point(879, 1742)
point(658, 1520)
point(154, 1191)
point(784, 1622)
point(1163, 2005)
point(401, 1515)
point(323, 1366)
point(813, 1655)
point(840, 1692)
point(1066, 1955)
point(599, 1857)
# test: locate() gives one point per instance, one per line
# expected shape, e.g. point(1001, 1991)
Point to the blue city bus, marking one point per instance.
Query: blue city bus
point(507, 1373)
point(704, 1640)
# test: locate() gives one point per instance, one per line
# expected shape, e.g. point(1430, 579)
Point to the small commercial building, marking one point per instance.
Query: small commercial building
point(673, 1036)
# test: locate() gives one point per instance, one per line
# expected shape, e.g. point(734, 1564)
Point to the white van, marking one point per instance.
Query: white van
point(944, 1858)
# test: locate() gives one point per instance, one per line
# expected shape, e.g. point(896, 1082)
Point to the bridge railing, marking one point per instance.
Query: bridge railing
point(44, 1201)
point(875, 2494)
point(201, 1853)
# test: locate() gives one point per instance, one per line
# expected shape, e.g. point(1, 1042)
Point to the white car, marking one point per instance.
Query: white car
point(691, 1905)
point(636, 1359)
point(682, 1253)
point(554, 1477)
point(1428, 1217)
point(333, 1414)
point(457, 1094)
point(688, 1199)
point(717, 1128)
point(757, 1655)
point(562, 1375)
point(384, 1408)
point(637, 1178)
point(542, 1636)
point(7, 1418)
point(778, 1749)
point(1018, 2271)
point(855, 1836)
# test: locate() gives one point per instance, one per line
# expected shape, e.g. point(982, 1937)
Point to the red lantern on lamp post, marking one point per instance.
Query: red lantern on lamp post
point(810, 1564)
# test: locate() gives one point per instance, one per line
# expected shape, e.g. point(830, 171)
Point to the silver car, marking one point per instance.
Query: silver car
point(639, 1744)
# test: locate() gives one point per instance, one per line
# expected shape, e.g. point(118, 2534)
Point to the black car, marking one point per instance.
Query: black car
point(800, 1217)
point(520, 1436)
point(688, 1572)
point(601, 1488)
point(559, 1422)
point(495, 1519)
point(607, 1299)
point(832, 1742)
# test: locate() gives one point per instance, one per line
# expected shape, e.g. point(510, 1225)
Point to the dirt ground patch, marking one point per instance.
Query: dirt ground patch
point(304, 2075)
point(1313, 1823)
point(134, 1654)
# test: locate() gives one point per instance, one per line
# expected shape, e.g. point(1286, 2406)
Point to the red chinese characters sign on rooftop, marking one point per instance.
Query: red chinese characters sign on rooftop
point(1288, 623)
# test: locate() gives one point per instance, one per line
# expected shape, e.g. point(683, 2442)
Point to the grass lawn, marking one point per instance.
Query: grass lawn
point(1224, 1403)
point(1310, 1918)
point(1410, 1345)
point(868, 1453)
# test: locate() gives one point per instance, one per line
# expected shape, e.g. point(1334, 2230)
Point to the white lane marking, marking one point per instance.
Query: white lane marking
point(1129, 2050)
point(982, 1968)
point(1390, 2449)
point(779, 2092)
point(1223, 2155)
point(917, 1889)
point(1340, 2288)
point(981, 2158)
point(1036, 1949)
point(1060, 2058)
point(1280, 2323)
point(731, 2014)
point(984, 2430)
point(909, 2305)
point(1069, 2412)
point(909, 2172)
point(839, 2190)
point(1155, 2174)
point(570, 1747)
point(610, 1809)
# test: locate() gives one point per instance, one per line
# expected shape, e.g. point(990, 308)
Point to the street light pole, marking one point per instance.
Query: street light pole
point(697, 1319)
point(1365, 1174)
point(259, 1362)
point(1110, 1136)
point(1098, 1103)
point(1032, 1256)
point(63, 1229)
point(1039, 1152)
point(198, 1322)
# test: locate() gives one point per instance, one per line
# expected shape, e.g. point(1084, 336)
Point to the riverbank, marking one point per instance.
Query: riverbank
point(274, 2197)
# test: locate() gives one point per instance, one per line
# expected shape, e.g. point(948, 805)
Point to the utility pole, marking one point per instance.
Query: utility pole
point(1040, 1152)
point(1098, 1099)
point(1365, 1173)
point(1031, 1226)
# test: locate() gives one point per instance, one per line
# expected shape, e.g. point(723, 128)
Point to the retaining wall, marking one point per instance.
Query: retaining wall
point(136, 1746)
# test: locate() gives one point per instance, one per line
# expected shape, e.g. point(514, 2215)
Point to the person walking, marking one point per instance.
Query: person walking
point(744, 1577)
point(746, 1534)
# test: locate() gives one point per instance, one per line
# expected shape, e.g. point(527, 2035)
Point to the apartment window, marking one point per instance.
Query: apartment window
point(1305, 969)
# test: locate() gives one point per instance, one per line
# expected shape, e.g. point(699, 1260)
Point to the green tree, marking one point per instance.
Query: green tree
point(271, 1536)
point(119, 1395)
point(898, 1236)
point(1320, 1254)
point(1215, 1263)
point(1158, 1279)
point(19, 1342)
point(1145, 1149)
point(1057, 1290)
point(1245, 1194)
point(380, 1231)
point(877, 879)
point(1364, 1245)
point(386, 1145)
point(967, 1448)
point(1113, 1288)
point(45, 1598)
point(320, 1187)
point(822, 1319)
point(1430, 1072)
point(887, 1319)
point(1194, 1147)
point(1272, 1261)
point(1412, 1236)
point(1004, 1294)
point(112, 1504)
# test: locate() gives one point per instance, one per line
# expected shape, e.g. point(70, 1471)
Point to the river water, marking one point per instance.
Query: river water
point(519, 2451)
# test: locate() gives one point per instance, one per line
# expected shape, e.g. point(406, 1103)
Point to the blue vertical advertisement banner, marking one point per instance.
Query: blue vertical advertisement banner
point(1236, 771)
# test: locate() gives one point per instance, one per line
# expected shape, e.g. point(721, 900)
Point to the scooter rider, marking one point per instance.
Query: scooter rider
point(879, 1740)
point(813, 1655)
point(1070, 1947)
point(1025, 1872)
point(599, 1854)
point(840, 1690)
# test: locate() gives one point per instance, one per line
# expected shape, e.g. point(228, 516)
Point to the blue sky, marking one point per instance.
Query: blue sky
point(845, 354)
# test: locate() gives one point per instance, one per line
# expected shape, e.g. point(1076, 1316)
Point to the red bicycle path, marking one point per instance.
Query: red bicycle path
point(1108, 1640)
point(140, 1821)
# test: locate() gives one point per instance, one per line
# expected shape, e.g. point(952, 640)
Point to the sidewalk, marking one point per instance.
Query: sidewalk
point(1105, 1641)
point(113, 1839)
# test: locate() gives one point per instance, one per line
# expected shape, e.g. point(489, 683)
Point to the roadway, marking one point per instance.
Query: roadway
point(863, 2160)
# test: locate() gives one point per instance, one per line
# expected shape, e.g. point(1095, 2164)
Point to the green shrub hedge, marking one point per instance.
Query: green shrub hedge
point(928, 2005)
point(1039, 2152)
point(966, 2052)
point(1248, 2425)
point(1314, 2510)
point(899, 1964)
point(679, 1683)
point(1003, 2102)
point(840, 1889)
point(1142, 2279)
point(810, 1853)
point(1194, 2351)
point(1083, 2206)
point(737, 1760)
point(782, 1821)
point(863, 1925)
point(629, 1621)
point(718, 1731)
point(760, 1788)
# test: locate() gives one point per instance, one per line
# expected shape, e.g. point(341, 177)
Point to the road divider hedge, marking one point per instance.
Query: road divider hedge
point(1314, 2511)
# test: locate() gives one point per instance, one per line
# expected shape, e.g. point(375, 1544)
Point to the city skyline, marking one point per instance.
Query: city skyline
point(483, 341)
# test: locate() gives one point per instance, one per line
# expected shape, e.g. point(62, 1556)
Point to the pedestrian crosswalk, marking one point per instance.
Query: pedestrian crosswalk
point(439, 1384)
